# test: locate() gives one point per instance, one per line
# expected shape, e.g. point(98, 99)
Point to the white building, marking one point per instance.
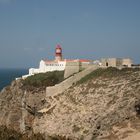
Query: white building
point(46, 66)
point(59, 64)
point(73, 66)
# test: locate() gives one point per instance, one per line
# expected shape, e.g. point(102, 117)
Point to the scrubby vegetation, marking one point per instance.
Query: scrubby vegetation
point(109, 72)
point(8, 134)
point(44, 79)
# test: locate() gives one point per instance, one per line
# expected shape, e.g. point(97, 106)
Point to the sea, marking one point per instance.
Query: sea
point(8, 75)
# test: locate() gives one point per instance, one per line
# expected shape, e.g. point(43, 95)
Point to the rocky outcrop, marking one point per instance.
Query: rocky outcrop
point(93, 109)
point(106, 106)
point(18, 106)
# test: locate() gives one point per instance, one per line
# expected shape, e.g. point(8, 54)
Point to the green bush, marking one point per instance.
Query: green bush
point(44, 79)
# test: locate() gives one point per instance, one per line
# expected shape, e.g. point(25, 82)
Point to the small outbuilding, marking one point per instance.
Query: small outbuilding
point(116, 62)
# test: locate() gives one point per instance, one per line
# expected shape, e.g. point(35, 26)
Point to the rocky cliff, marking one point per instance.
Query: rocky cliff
point(18, 106)
point(104, 105)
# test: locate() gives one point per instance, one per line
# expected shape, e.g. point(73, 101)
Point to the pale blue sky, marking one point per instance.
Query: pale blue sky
point(91, 29)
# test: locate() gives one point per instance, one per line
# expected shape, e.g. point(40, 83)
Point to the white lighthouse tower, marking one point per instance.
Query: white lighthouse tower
point(58, 53)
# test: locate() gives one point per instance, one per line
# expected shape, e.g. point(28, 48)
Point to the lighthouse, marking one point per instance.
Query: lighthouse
point(58, 53)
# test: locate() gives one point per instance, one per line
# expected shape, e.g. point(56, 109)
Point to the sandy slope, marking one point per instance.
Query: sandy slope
point(133, 137)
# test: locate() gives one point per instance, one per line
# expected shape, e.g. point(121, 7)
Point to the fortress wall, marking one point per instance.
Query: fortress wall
point(119, 62)
point(85, 65)
point(60, 88)
point(128, 62)
point(112, 62)
point(116, 62)
point(103, 61)
point(71, 68)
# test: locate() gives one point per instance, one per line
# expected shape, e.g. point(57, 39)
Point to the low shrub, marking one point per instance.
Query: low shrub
point(44, 79)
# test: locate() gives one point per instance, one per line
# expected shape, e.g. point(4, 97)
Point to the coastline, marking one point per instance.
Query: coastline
point(7, 75)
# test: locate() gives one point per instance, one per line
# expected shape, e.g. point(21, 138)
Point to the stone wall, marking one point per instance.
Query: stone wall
point(109, 62)
point(71, 68)
point(116, 62)
point(127, 62)
point(85, 65)
point(59, 88)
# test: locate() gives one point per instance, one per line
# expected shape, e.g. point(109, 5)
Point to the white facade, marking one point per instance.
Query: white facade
point(33, 71)
point(46, 66)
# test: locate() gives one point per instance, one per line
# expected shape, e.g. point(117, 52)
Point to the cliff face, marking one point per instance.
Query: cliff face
point(18, 106)
point(92, 109)
point(106, 106)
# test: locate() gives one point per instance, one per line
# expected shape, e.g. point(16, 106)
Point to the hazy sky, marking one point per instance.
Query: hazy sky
point(91, 29)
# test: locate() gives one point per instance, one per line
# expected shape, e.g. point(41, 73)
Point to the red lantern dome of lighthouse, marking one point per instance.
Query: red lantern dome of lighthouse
point(58, 53)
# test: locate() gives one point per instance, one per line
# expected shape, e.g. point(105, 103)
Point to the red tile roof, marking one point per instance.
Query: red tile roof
point(67, 60)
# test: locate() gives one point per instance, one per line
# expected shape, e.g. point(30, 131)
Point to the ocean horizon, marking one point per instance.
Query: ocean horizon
point(7, 75)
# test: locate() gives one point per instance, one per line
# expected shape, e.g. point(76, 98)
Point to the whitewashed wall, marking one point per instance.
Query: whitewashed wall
point(46, 67)
point(58, 66)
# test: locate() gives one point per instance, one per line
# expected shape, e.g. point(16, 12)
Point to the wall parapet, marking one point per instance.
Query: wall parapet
point(61, 87)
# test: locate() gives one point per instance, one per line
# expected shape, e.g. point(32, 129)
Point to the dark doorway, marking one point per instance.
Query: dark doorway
point(107, 64)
